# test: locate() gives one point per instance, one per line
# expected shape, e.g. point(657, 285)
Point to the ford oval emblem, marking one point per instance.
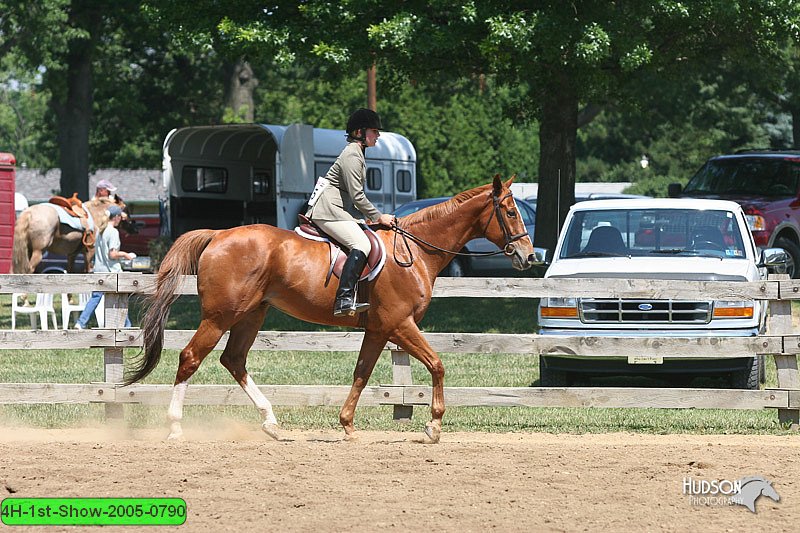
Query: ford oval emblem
point(645, 307)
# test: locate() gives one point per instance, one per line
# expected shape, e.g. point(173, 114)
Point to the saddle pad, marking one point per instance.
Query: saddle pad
point(375, 260)
point(69, 220)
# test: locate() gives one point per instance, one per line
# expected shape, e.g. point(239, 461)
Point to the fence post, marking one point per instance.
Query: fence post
point(401, 375)
point(779, 322)
point(115, 312)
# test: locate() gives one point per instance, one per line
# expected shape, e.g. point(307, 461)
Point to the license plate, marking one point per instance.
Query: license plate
point(645, 360)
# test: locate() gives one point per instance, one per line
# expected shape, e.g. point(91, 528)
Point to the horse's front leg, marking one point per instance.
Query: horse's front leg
point(410, 339)
point(370, 351)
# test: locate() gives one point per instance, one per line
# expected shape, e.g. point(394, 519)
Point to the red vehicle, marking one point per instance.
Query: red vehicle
point(766, 183)
point(147, 219)
point(7, 213)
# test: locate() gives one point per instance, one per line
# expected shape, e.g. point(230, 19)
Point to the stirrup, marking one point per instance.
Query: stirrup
point(351, 310)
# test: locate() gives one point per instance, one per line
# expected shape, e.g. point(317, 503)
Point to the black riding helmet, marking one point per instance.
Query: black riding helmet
point(363, 119)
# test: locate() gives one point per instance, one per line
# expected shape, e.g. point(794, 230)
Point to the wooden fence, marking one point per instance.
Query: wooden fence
point(779, 341)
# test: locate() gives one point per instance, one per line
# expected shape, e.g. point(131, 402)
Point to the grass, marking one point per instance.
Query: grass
point(324, 368)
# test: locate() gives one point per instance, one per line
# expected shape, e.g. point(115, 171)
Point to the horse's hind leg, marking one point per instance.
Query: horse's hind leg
point(234, 358)
point(204, 340)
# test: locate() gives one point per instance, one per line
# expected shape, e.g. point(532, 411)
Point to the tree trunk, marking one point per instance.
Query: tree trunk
point(242, 83)
point(72, 103)
point(557, 134)
point(372, 87)
point(795, 127)
point(74, 120)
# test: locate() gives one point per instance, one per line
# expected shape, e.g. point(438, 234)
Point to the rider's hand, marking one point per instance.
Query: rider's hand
point(386, 220)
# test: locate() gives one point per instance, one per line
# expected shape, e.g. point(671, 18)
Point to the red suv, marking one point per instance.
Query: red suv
point(766, 183)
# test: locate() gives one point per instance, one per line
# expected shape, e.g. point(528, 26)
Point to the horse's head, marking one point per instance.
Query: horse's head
point(506, 228)
point(127, 224)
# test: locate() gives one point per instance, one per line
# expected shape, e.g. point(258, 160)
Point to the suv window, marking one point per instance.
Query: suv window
point(759, 176)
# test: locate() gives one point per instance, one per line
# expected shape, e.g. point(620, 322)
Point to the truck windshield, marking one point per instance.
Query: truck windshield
point(741, 175)
point(649, 232)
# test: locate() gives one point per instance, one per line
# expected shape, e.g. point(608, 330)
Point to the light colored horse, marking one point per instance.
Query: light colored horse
point(38, 229)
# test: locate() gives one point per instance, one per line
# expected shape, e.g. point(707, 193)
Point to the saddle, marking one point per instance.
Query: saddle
point(74, 207)
point(375, 259)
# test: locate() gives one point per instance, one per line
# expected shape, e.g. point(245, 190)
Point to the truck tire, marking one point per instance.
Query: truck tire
point(793, 268)
point(749, 378)
point(552, 378)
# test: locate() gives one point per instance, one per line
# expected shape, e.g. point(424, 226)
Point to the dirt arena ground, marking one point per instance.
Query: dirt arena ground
point(234, 479)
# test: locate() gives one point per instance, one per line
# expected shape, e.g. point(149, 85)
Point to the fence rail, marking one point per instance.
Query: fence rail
point(779, 341)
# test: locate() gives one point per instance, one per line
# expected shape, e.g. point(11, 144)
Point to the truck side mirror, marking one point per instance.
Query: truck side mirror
point(540, 256)
point(674, 190)
point(775, 259)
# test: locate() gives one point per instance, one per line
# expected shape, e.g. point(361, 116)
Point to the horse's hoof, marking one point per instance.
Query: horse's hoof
point(176, 437)
point(271, 430)
point(351, 436)
point(433, 432)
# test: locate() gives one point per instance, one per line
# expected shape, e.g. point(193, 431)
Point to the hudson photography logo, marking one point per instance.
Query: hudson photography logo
point(744, 491)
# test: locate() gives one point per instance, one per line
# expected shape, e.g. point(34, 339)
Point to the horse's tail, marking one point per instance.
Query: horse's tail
point(181, 260)
point(20, 261)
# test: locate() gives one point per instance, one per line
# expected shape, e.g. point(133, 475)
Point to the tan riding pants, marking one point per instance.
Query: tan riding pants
point(347, 232)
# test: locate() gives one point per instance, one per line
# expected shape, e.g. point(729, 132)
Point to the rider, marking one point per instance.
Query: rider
point(340, 190)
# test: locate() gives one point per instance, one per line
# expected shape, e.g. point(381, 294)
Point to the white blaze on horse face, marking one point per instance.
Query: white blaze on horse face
point(175, 412)
point(260, 401)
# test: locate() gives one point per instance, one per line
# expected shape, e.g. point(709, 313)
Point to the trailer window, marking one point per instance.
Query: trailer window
point(403, 180)
point(374, 179)
point(204, 179)
point(261, 179)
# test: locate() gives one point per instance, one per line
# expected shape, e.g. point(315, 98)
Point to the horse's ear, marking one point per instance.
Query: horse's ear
point(510, 181)
point(497, 185)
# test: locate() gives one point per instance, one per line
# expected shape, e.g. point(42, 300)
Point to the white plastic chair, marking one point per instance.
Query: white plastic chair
point(68, 308)
point(42, 307)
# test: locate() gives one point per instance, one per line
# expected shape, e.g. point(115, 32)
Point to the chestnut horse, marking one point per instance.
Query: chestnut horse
point(38, 229)
point(243, 271)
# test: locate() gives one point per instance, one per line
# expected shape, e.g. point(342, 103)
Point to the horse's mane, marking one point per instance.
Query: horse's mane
point(445, 208)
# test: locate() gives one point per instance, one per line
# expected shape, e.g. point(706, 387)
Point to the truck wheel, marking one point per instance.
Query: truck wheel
point(551, 378)
point(793, 268)
point(751, 377)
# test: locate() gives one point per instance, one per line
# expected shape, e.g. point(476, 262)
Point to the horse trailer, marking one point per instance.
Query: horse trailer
point(225, 176)
point(7, 209)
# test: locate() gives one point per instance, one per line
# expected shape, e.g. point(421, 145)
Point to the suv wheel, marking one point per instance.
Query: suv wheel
point(749, 378)
point(793, 268)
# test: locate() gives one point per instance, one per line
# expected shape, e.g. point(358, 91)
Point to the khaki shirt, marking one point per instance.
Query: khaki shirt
point(346, 189)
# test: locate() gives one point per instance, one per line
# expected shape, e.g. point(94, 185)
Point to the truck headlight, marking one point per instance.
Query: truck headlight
point(559, 307)
point(733, 309)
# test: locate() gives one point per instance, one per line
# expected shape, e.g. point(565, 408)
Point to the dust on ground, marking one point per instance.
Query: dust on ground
point(234, 478)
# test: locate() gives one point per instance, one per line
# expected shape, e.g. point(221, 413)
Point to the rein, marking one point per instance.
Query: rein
point(507, 249)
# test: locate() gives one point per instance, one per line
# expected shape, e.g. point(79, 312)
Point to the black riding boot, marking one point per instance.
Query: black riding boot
point(346, 304)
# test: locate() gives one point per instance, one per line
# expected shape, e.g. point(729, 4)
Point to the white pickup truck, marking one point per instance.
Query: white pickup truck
point(679, 239)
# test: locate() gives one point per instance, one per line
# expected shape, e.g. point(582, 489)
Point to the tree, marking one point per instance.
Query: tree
point(574, 57)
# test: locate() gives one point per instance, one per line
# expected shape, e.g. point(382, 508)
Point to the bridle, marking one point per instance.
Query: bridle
point(508, 249)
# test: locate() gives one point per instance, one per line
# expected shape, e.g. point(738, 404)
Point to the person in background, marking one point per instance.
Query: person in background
point(105, 189)
point(336, 194)
point(108, 257)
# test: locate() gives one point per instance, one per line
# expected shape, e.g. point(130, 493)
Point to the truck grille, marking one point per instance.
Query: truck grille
point(609, 310)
